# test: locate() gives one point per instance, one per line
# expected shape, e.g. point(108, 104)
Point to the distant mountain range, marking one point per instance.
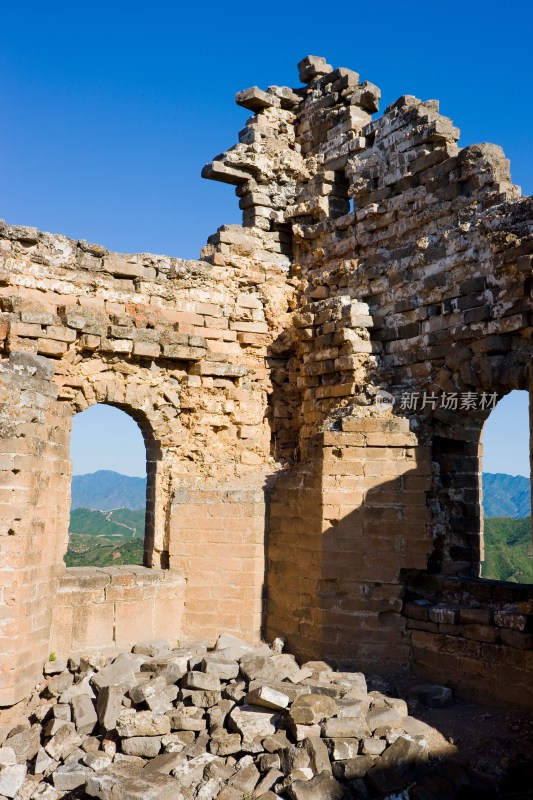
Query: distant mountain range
point(106, 490)
point(506, 495)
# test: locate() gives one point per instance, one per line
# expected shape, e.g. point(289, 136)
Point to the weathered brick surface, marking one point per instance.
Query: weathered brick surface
point(489, 648)
point(79, 326)
point(35, 472)
point(334, 565)
point(107, 606)
point(375, 255)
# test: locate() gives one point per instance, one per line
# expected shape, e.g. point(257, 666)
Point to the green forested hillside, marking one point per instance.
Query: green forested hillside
point(508, 551)
point(121, 521)
point(101, 551)
point(105, 538)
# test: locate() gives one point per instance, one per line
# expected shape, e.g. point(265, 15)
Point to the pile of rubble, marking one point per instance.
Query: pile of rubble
point(231, 723)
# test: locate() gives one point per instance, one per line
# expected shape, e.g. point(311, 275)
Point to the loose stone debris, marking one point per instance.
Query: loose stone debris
point(237, 722)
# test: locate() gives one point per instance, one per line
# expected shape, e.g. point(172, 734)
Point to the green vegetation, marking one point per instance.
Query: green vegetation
point(99, 551)
point(508, 551)
point(105, 538)
point(121, 522)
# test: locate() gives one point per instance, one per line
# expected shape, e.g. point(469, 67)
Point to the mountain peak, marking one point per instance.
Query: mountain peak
point(105, 490)
point(506, 495)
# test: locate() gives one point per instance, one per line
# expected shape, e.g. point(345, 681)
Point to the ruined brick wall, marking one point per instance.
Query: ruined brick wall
point(375, 255)
point(34, 508)
point(341, 528)
point(475, 636)
point(181, 347)
point(411, 259)
point(107, 607)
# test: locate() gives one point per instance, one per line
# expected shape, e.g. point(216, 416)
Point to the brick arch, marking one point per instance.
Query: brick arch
point(526, 434)
point(138, 414)
point(456, 499)
point(142, 406)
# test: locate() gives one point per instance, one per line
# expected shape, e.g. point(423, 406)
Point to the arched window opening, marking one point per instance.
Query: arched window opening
point(108, 520)
point(506, 491)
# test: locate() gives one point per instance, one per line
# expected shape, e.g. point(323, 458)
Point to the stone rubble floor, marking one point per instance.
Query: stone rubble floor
point(242, 721)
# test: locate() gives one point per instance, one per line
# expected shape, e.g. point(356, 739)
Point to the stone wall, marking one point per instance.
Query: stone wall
point(375, 256)
point(217, 538)
point(106, 607)
point(334, 584)
point(412, 259)
point(34, 507)
point(476, 636)
point(181, 347)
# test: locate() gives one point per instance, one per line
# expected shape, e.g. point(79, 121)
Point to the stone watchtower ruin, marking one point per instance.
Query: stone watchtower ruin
point(287, 495)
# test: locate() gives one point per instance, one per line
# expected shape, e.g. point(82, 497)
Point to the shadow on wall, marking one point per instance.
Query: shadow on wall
point(342, 538)
point(339, 535)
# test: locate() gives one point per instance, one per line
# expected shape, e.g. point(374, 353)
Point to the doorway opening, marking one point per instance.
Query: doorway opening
point(108, 512)
point(507, 492)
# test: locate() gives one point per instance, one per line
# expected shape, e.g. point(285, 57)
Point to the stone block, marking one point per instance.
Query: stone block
point(256, 100)
point(353, 768)
point(142, 746)
point(342, 749)
point(266, 697)
point(312, 708)
point(223, 669)
point(63, 742)
point(109, 704)
point(511, 619)
point(25, 744)
point(84, 713)
point(68, 777)
point(475, 616)
point(11, 780)
point(201, 680)
point(251, 721)
point(225, 744)
point(127, 782)
point(322, 787)
point(312, 67)
point(117, 673)
point(346, 728)
point(132, 723)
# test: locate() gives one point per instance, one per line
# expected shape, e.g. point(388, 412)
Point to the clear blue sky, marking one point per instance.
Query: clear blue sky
point(111, 109)
point(506, 436)
point(103, 437)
